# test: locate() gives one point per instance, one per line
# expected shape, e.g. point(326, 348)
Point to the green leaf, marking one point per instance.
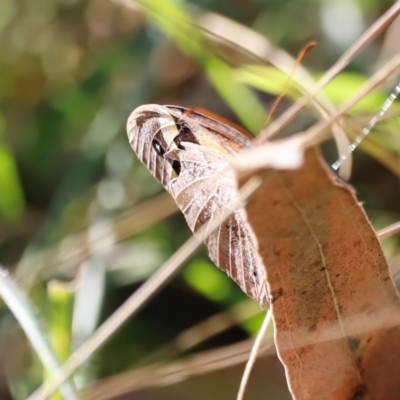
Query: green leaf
point(346, 85)
point(60, 296)
point(268, 79)
point(239, 97)
point(12, 203)
point(175, 22)
point(203, 276)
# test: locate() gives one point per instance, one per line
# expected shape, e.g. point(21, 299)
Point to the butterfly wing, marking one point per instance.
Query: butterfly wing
point(189, 154)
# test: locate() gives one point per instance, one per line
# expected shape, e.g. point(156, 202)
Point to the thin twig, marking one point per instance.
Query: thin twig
point(170, 373)
point(133, 305)
point(311, 136)
point(253, 355)
point(369, 35)
point(77, 247)
point(204, 330)
point(138, 299)
point(389, 230)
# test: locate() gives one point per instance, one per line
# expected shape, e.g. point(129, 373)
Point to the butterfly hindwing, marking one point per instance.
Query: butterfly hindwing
point(189, 154)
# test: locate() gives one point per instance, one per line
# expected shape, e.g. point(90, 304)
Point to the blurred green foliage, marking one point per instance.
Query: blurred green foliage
point(70, 74)
point(12, 202)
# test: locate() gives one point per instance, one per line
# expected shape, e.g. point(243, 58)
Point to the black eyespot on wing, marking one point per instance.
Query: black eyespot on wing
point(185, 134)
point(176, 166)
point(158, 148)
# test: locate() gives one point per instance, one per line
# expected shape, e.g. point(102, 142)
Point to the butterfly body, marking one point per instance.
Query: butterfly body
point(189, 153)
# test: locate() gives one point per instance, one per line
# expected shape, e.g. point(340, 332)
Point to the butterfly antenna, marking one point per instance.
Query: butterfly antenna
point(299, 59)
point(367, 129)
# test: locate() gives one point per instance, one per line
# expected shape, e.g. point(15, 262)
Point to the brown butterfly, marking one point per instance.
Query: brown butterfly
point(189, 153)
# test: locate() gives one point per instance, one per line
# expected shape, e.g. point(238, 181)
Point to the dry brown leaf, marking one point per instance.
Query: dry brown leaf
point(335, 308)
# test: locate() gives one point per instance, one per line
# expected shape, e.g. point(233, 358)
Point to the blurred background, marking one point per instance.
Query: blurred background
point(83, 223)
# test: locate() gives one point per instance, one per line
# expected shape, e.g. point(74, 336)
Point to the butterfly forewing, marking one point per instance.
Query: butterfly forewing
point(189, 153)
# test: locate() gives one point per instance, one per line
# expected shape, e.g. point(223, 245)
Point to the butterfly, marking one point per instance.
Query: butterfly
point(189, 153)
